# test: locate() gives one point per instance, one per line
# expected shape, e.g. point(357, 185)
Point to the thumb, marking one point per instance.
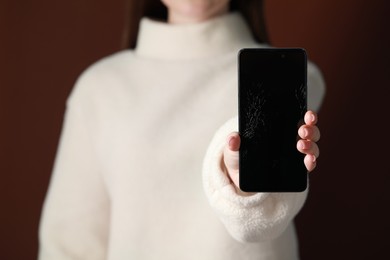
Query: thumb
point(230, 156)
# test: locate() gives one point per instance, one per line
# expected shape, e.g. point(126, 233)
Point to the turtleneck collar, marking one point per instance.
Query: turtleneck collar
point(223, 34)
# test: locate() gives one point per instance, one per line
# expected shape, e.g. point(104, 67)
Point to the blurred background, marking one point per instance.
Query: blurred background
point(46, 44)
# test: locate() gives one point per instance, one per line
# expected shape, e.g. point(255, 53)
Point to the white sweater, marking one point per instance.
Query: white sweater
point(140, 128)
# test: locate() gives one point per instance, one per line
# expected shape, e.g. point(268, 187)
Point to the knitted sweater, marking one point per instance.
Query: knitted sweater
point(137, 173)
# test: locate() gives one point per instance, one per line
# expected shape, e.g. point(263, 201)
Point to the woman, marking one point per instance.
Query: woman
point(127, 181)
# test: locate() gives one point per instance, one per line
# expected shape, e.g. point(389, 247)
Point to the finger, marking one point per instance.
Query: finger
point(310, 162)
point(309, 132)
point(310, 118)
point(308, 147)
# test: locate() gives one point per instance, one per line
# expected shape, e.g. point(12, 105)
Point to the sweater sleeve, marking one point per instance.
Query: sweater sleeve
point(75, 216)
point(262, 216)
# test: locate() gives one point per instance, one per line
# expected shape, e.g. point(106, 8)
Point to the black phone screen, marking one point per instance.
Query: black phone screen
point(272, 104)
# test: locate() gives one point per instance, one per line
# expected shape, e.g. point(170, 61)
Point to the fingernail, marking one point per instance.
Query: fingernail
point(231, 141)
point(302, 145)
point(314, 159)
point(305, 132)
point(312, 117)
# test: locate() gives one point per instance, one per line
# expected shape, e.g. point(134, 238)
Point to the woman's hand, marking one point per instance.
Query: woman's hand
point(309, 134)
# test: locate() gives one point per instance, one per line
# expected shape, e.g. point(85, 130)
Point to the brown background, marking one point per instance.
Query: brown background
point(46, 44)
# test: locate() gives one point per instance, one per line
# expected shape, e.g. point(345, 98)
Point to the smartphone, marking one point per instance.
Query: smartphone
point(272, 103)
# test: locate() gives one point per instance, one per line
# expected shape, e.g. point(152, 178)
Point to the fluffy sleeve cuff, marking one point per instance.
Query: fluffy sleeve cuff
point(256, 218)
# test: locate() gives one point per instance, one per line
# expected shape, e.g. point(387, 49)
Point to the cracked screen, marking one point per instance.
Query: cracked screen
point(272, 103)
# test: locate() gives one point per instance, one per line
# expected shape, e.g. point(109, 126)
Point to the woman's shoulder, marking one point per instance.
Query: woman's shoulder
point(316, 86)
point(101, 77)
point(111, 63)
